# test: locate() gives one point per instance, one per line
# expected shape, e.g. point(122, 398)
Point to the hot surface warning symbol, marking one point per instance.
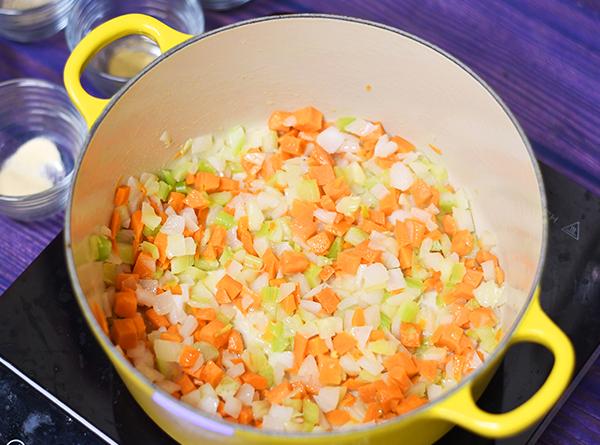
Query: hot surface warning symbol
point(572, 230)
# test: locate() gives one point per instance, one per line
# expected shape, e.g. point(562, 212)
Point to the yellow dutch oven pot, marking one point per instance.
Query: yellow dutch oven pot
point(343, 66)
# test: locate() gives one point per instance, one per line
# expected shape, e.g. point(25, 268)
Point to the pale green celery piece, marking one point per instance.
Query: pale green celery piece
point(149, 217)
point(269, 141)
point(235, 139)
point(181, 170)
point(269, 296)
point(226, 256)
point(365, 375)
point(310, 412)
point(264, 229)
point(436, 246)
point(150, 249)
point(204, 166)
point(385, 322)
point(147, 231)
point(109, 273)
point(312, 275)
point(355, 236)
point(486, 336)
point(280, 342)
point(355, 173)
point(335, 248)
point(206, 264)
point(458, 272)
point(167, 369)
point(439, 173)
point(296, 404)
point(227, 387)
point(342, 122)
point(100, 247)
point(371, 181)
point(125, 253)
point(209, 352)
point(383, 347)
point(180, 263)
point(308, 190)
point(261, 366)
point(181, 187)
point(158, 273)
point(472, 304)
point(225, 219)
point(447, 201)
point(339, 172)
point(253, 262)
point(163, 190)
point(167, 176)
point(419, 273)
point(415, 284)
point(323, 261)
point(220, 198)
point(193, 273)
point(348, 205)
point(408, 311)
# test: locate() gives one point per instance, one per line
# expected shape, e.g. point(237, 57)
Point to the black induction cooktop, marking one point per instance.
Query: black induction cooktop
point(43, 337)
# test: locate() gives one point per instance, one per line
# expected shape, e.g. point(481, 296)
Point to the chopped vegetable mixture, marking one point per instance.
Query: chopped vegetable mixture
point(309, 276)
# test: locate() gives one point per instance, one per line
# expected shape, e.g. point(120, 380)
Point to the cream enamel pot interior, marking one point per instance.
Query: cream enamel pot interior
point(239, 74)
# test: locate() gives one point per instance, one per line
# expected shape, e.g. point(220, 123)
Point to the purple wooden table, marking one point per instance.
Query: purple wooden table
point(541, 56)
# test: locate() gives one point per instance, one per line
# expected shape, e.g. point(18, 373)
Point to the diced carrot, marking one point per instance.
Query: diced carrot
point(462, 242)
point(270, 263)
point(421, 193)
point(401, 234)
point(484, 255)
point(368, 392)
point(100, 316)
point(410, 403)
point(160, 241)
point(482, 316)
point(257, 381)
point(378, 216)
point(341, 227)
point(499, 275)
point(354, 384)
point(288, 304)
point(348, 400)
point(389, 203)
point(145, 265)
point(186, 384)
point(115, 223)
point(126, 281)
point(449, 224)
point(410, 335)
point(125, 303)
point(214, 333)
point(322, 173)
point(196, 200)
point(434, 235)
point(328, 299)
point(243, 233)
point(434, 283)
point(376, 334)
point(399, 377)
point(303, 228)
point(176, 201)
point(138, 227)
point(406, 257)
point(206, 181)
point(403, 145)
point(291, 145)
point(293, 262)
point(276, 120)
point(320, 157)
point(211, 373)
point(367, 254)
point(302, 210)
point(235, 343)
point(188, 356)
point(300, 345)
point(320, 243)
point(369, 226)
point(327, 203)
point(308, 119)
point(172, 334)
point(416, 232)
point(338, 417)
point(326, 273)
point(316, 346)
point(121, 195)
point(403, 359)
point(330, 370)
point(473, 277)
point(428, 369)
point(228, 185)
point(277, 394)
point(217, 237)
point(229, 285)
point(157, 321)
point(337, 189)
point(461, 292)
point(204, 314)
point(246, 416)
point(124, 333)
point(448, 335)
point(347, 262)
point(343, 343)
point(358, 318)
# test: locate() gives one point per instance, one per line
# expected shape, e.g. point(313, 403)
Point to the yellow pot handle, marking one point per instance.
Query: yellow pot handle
point(536, 327)
point(90, 106)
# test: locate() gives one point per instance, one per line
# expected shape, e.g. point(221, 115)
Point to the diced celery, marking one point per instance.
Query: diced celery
point(150, 249)
point(308, 190)
point(264, 229)
point(269, 296)
point(209, 352)
point(163, 190)
point(408, 311)
point(341, 122)
point(181, 187)
point(472, 304)
point(279, 341)
point(204, 166)
point(181, 170)
point(439, 173)
point(125, 253)
point(180, 263)
point(269, 141)
point(253, 262)
point(457, 274)
point(415, 284)
point(167, 176)
point(312, 275)
point(147, 231)
point(335, 248)
point(203, 264)
point(385, 322)
point(100, 247)
point(296, 404)
point(486, 337)
point(310, 412)
point(348, 205)
point(355, 236)
point(220, 198)
point(225, 219)
point(447, 201)
point(168, 369)
point(355, 173)
point(367, 376)
point(419, 272)
point(260, 365)
point(227, 387)
point(109, 273)
point(149, 218)
point(383, 347)
point(193, 273)
point(226, 256)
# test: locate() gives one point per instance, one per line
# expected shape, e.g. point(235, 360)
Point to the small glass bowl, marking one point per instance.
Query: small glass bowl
point(32, 108)
point(114, 65)
point(27, 24)
point(223, 5)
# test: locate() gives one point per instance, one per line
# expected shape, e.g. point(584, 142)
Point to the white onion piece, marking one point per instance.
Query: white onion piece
point(384, 147)
point(328, 398)
point(401, 177)
point(330, 139)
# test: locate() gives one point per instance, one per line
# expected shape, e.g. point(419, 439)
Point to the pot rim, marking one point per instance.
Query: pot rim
point(152, 389)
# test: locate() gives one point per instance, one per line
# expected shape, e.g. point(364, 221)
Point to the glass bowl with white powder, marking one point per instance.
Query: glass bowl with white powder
point(41, 135)
point(31, 20)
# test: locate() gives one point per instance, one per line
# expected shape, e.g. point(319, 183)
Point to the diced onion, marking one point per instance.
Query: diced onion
point(330, 139)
